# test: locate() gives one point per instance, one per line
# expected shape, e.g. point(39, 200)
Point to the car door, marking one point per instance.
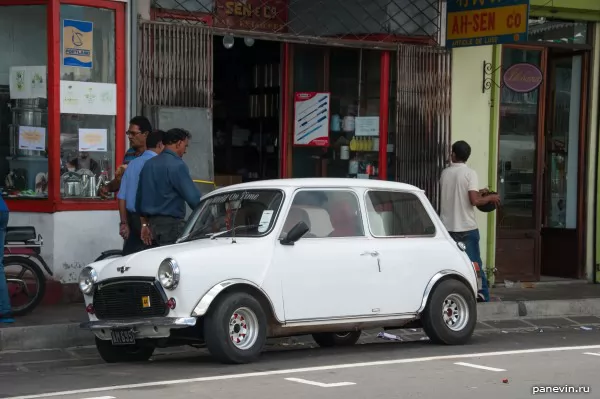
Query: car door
point(328, 273)
point(407, 247)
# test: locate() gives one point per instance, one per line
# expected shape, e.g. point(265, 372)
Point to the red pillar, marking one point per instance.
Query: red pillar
point(384, 106)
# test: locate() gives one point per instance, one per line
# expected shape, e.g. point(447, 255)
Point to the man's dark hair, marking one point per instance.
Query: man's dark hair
point(142, 122)
point(154, 137)
point(173, 136)
point(462, 150)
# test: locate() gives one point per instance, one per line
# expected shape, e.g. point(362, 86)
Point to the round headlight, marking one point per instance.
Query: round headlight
point(87, 278)
point(168, 274)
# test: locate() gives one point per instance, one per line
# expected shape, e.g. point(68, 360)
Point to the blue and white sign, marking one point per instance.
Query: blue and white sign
point(78, 43)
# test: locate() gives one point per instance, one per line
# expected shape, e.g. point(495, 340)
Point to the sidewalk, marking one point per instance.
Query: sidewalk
point(57, 327)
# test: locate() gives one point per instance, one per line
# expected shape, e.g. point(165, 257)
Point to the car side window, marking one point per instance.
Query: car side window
point(327, 213)
point(392, 213)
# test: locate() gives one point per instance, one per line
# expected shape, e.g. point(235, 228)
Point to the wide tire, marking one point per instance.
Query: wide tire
point(235, 328)
point(329, 340)
point(451, 314)
point(123, 354)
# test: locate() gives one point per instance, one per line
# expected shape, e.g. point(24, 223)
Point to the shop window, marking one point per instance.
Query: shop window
point(23, 102)
point(393, 214)
point(88, 100)
point(352, 79)
point(327, 213)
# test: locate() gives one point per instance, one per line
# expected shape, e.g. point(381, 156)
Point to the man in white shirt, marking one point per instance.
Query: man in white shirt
point(460, 194)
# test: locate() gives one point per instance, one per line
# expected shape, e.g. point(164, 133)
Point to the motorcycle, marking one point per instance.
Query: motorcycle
point(204, 186)
point(25, 278)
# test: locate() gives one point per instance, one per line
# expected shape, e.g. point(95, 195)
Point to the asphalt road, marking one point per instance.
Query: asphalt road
point(494, 366)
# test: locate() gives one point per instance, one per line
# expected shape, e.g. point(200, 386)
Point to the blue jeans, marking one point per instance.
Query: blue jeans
point(5, 309)
point(471, 240)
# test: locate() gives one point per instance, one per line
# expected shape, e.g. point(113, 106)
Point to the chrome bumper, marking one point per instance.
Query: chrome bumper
point(170, 322)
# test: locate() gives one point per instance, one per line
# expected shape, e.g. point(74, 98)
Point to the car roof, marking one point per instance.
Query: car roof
point(323, 182)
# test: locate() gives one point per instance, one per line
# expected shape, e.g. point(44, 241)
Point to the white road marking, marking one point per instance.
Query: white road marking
point(592, 353)
point(305, 370)
point(320, 384)
point(476, 366)
point(103, 397)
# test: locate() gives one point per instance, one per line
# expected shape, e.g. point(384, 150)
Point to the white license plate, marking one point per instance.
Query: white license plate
point(122, 337)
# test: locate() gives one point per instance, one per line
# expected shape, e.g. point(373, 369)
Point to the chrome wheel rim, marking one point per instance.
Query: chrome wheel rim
point(455, 312)
point(243, 328)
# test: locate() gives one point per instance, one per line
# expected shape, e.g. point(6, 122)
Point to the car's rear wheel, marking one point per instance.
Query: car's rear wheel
point(451, 313)
point(235, 328)
point(121, 354)
point(327, 340)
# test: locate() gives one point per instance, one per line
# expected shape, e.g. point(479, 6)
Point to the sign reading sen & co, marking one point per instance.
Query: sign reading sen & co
point(252, 15)
point(523, 77)
point(485, 22)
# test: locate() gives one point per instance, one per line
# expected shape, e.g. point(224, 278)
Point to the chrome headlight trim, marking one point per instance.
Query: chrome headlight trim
point(168, 274)
point(87, 280)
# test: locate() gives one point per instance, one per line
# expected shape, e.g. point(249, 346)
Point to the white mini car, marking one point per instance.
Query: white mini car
point(278, 258)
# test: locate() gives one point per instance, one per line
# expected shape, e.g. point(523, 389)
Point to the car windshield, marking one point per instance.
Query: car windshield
point(247, 213)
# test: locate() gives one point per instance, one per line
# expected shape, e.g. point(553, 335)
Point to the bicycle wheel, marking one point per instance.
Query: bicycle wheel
point(26, 284)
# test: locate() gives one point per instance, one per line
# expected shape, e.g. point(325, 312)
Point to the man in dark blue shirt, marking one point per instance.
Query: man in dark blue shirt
point(164, 187)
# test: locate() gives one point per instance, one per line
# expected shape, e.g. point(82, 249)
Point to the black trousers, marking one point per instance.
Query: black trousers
point(165, 229)
point(134, 242)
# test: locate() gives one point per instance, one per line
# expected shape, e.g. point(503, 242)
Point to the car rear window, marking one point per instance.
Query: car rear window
point(394, 213)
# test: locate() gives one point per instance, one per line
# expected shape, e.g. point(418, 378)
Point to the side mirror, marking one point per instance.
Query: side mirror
point(295, 234)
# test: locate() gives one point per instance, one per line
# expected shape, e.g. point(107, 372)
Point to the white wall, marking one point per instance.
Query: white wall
point(471, 117)
point(72, 239)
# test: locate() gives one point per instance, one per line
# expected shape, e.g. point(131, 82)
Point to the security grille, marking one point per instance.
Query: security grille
point(175, 62)
point(378, 23)
point(423, 116)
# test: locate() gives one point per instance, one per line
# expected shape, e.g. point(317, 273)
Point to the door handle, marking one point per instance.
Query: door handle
point(371, 253)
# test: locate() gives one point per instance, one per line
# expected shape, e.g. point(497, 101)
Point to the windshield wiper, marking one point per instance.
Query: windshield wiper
point(220, 233)
point(192, 236)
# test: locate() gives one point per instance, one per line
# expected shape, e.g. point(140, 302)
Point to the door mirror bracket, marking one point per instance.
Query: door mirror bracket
point(295, 234)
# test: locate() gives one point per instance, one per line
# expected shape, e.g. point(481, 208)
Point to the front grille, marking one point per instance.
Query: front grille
point(123, 300)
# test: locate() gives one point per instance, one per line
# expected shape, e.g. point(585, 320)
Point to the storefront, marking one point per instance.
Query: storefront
point(285, 108)
point(62, 107)
point(539, 102)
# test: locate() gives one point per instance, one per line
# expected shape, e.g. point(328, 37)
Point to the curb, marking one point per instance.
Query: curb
point(69, 335)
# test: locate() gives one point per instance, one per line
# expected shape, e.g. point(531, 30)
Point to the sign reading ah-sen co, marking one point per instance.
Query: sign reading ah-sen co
point(486, 22)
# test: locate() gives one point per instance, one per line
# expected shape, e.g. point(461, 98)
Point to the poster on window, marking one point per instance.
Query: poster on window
point(88, 98)
point(32, 138)
point(93, 140)
point(78, 43)
point(27, 82)
point(311, 119)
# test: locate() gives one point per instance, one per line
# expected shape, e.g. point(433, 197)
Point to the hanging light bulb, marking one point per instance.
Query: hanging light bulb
point(228, 41)
point(249, 41)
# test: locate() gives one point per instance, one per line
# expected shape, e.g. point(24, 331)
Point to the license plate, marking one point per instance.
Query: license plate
point(122, 337)
point(146, 302)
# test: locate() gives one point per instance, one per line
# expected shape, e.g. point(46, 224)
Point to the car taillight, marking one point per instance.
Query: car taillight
point(90, 309)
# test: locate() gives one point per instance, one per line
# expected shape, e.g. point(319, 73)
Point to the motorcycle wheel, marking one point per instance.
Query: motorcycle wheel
point(36, 272)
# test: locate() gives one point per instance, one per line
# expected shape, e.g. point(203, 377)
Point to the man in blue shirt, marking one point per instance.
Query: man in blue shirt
point(5, 308)
point(165, 186)
point(130, 227)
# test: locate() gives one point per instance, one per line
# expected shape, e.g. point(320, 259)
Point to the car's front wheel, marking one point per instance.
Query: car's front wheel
point(121, 354)
point(235, 328)
point(326, 340)
point(451, 313)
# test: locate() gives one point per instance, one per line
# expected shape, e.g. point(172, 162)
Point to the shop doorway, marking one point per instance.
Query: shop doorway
point(246, 107)
point(542, 133)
